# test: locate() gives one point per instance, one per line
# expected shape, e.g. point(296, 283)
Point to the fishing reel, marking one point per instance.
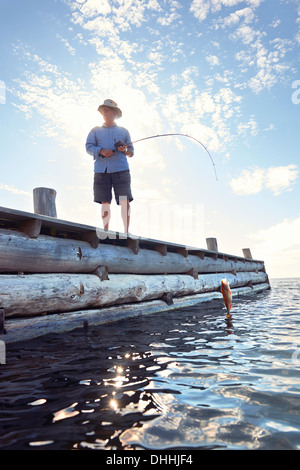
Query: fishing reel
point(118, 144)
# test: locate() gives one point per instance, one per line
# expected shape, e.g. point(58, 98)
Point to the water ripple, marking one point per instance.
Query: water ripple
point(193, 379)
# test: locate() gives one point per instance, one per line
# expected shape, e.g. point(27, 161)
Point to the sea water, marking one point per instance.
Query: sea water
point(188, 379)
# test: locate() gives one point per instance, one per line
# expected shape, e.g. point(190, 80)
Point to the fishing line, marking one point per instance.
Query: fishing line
point(183, 135)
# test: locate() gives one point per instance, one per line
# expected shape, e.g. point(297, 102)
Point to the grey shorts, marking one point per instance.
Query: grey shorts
point(119, 181)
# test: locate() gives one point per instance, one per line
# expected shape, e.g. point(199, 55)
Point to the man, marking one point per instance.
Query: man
point(111, 169)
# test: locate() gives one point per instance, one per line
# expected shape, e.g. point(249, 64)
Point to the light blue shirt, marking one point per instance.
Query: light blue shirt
point(105, 137)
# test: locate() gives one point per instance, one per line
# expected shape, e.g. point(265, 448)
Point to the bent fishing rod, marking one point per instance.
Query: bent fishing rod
point(119, 143)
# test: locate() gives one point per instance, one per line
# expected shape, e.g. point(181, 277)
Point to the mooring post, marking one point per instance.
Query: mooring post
point(44, 201)
point(212, 244)
point(247, 253)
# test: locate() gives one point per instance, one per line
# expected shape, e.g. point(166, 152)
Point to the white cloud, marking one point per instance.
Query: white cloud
point(168, 19)
point(212, 60)
point(246, 15)
point(66, 44)
point(279, 246)
point(251, 127)
point(283, 236)
point(245, 33)
point(2, 92)
point(69, 106)
point(275, 23)
point(60, 100)
point(281, 178)
point(276, 179)
point(91, 8)
point(98, 15)
point(249, 182)
point(266, 60)
point(210, 113)
point(202, 8)
point(297, 37)
point(259, 56)
point(205, 103)
point(14, 190)
point(66, 103)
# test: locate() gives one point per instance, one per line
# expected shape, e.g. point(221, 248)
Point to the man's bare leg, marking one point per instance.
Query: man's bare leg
point(105, 214)
point(125, 212)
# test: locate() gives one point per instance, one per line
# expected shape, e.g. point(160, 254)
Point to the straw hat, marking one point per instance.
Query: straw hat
point(111, 104)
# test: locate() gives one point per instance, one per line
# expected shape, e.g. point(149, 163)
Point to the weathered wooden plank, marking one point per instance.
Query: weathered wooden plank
point(35, 294)
point(25, 329)
point(45, 254)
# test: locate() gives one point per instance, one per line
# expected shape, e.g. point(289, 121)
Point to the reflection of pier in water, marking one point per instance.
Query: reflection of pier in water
point(137, 384)
point(120, 386)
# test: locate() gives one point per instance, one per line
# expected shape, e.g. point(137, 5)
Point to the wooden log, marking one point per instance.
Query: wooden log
point(46, 254)
point(35, 294)
point(44, 201)
point(24, 329)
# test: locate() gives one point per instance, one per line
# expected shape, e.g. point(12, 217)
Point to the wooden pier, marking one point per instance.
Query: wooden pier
point(57, 275)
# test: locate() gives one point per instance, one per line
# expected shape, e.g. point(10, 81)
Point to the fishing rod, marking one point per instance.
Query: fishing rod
point(120, 143)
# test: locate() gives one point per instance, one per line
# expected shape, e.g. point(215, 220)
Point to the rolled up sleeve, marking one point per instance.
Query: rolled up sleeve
point(128, 143)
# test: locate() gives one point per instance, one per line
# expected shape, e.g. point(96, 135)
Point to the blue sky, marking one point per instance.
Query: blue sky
point(223, 71)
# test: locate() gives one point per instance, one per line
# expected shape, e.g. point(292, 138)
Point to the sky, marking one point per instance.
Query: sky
point(225, 72)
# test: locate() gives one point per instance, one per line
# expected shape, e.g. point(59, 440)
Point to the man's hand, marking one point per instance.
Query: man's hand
point(125, 150)
point(107, 152)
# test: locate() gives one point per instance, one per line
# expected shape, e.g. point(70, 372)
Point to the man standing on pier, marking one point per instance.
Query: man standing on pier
point(111, 169)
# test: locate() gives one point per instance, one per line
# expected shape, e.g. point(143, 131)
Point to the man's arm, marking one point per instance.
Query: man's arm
point(128, 148)
point(91, 144)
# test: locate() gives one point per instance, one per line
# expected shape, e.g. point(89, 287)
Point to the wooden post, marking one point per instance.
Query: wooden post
point(212, 244)
point(32, 227)
point(247, 253)
point(44, 201)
